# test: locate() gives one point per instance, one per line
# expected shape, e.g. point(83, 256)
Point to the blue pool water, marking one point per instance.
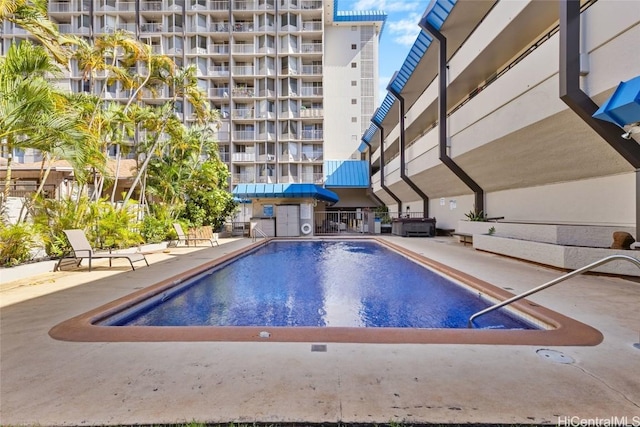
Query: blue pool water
point(319, 283)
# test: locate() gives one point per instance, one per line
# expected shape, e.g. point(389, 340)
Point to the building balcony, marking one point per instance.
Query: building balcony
point(307, 113)
point(312, 134)
point(220, 92)
point(244, 135)
point(313, 156)
point(152, 27)
point(311, 91)
point(219, 27)
point(316, 178)
point(243, 157)
point(311, 48)
point(151, 6)
point(218, 71)
point(284, 179)
point(243, 49)
point(312, 26)
point(218, 49)
point(243, 178)
point(243, 70)
point(269, 157)
point(243, 113)
point(221, 5)
point(243, 92)
point(242, 27)
point(312, 70)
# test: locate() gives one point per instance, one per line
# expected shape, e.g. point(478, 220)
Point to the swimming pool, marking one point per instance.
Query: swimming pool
point(339, 326)
point(318, 284)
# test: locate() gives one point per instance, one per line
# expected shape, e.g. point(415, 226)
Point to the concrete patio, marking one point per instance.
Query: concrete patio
point(48, 382)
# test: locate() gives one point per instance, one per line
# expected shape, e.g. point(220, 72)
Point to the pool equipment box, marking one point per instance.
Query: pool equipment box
point(417, 227)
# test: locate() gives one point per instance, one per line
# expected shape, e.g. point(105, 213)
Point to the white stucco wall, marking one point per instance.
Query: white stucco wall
point(341, 135)
point(608, 200)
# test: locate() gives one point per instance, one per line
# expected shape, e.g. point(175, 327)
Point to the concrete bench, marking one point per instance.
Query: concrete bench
point(464, 238)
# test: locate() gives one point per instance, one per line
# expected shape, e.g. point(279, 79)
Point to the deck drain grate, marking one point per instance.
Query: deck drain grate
point(319, 347)
point(554, 356)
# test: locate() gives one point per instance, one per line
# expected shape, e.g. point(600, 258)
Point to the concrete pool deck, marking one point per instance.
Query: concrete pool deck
point(48, 382)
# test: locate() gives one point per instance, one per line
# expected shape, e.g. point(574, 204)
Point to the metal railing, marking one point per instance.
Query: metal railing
point(255, 231)
point(554, 282)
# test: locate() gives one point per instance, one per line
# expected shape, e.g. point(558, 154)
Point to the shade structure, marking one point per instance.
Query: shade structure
point(291, 191)
point(346, 174)
point(623, 106)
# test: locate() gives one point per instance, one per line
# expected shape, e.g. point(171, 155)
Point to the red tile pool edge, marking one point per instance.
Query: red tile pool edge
point(564, 331)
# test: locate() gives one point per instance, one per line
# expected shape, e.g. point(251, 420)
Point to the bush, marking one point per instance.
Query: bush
point(16, 242)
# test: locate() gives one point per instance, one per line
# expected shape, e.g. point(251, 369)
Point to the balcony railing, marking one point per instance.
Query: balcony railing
point(312, 26)
point(151, 28)
point(312, 134)
point(129, 6)
point(219, 27)
point(316, 178)
point(151, 6)
point(219, 49)
point(242, 27)
point(127, 27)
point(243, 157)
point(219, 92)
point(269, 157)
point(242, 113)
point(243, 70)
point(311, 48)
point(288, 178)
point(313, 156)
point(311, 4)
point(311, 91)
point(311, 69)
point(218, 71)
point(246, 92)
point(306, 113)
point(243, 178)
point(59, 7)
point(245, 135)
point(243, 48)
point(218, 5)
point(244, 5)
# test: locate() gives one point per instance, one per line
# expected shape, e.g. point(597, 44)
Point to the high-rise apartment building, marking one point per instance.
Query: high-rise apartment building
point(295, 80)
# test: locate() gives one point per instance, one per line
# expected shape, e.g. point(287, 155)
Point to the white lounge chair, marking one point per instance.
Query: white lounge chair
point(187, 238)
point(82, 250)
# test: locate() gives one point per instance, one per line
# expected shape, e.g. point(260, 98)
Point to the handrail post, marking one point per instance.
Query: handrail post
point(553, 282)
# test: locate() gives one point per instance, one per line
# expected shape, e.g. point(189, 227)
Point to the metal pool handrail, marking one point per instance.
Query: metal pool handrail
point(553, 282)
point(259, 231)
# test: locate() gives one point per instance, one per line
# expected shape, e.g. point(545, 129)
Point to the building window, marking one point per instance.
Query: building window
point(354, 65)
point(354, 101)
point(354, 83)
point(354, 47)
point(354, 120)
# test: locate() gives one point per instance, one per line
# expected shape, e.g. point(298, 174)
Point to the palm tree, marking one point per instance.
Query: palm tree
point(31, 15)
point(35, 115)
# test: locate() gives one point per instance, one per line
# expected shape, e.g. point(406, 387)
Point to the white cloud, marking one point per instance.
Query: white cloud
point(406, 30)
point(389, 6)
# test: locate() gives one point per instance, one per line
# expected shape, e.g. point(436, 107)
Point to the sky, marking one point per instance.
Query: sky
point(399, 34)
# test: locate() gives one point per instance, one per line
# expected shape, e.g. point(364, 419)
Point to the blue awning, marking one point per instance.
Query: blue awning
point(346, 174)
point(623, 107)
point(290, 191)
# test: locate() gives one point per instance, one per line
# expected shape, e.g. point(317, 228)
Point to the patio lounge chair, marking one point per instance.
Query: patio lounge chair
point(82, 250)
point(187, 238)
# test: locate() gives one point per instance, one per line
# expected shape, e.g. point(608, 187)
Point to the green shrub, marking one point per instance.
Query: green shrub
point(16, 242)
point(474, 215)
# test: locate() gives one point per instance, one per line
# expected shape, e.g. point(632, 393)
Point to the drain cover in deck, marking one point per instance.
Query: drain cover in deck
point(554, 356)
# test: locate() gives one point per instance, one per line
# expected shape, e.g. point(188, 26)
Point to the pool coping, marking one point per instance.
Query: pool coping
point(564, 331)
